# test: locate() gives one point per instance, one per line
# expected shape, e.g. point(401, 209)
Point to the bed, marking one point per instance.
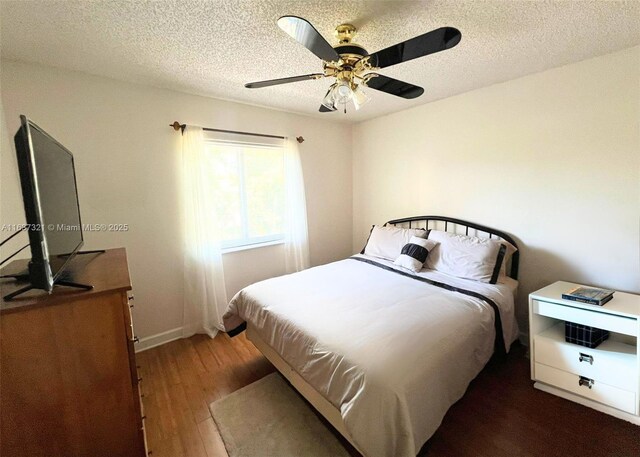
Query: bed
point(380, 352)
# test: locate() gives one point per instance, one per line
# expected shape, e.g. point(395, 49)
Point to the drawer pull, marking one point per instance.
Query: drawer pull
point(136, 339)
point(583, 381)
point(586, 358)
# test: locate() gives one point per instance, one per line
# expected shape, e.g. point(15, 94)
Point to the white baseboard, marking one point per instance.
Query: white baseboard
point(152, 341)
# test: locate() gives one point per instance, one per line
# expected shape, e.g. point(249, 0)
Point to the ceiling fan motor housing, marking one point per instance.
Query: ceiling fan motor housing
point(351, 50)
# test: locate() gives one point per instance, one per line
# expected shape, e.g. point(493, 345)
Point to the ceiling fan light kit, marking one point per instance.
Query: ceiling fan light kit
point(344, 91)
point(353, 67)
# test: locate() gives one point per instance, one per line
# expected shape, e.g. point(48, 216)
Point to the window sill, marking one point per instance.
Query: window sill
point(251, 246)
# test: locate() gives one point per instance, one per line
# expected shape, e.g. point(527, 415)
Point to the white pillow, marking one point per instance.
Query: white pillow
point(469, 257)
point(414, 253)
point(387, 242)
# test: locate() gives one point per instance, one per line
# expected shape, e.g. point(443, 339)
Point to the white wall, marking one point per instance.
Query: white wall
point(127, 164)
point(552, 158)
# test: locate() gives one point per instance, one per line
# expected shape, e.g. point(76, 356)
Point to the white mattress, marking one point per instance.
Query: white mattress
point(391, 353)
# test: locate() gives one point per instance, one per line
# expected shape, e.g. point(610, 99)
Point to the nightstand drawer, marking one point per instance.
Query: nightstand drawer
point(613, 362)
point(598, 391)
point(597, 318)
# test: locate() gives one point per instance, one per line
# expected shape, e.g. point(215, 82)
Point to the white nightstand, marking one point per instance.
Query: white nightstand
point(606, 378)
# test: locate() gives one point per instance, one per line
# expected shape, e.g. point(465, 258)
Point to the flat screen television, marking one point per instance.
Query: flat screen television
point(50, 195)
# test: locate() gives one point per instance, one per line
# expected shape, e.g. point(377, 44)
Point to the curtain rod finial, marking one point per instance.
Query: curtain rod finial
point(299, 139)
point(178, 126)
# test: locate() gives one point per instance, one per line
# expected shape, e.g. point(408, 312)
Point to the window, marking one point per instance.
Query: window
point(247, 181)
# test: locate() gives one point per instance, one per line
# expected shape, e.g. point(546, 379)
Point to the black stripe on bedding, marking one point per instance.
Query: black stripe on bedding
point(499, 341)
point(416, 251)
point(238, 330)
point(499, 260)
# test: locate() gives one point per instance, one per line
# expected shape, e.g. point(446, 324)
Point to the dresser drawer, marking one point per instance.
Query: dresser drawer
point(601, 392)
point(144, 441)
point(612, 362)
point(127, 316)
point(599, 319)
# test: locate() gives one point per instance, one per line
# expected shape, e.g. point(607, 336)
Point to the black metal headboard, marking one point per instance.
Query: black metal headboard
point(425, 221)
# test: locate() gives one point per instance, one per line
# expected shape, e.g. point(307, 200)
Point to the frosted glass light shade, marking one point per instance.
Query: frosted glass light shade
point(360, 97)
point(343, 92)
point(330, 99)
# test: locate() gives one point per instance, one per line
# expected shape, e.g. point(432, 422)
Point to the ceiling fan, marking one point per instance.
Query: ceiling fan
point(353, 67)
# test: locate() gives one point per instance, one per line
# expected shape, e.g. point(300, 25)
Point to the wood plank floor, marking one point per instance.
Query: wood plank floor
point(500, 415)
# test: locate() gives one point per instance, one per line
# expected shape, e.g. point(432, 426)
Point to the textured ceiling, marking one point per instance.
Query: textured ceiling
point(213, 47)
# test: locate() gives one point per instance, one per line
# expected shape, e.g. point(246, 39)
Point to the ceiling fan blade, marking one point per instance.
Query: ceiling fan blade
point(394, 87)
point(304, 33)
point(275, 82)
point(422, 45)
point(324, 109)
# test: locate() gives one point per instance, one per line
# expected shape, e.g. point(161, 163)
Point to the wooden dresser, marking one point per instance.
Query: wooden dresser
point(68, 376)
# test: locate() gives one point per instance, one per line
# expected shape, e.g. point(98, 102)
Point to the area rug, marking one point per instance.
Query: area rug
point(269, 419)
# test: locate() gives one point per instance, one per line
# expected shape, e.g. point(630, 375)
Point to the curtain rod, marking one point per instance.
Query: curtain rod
point(178, 126)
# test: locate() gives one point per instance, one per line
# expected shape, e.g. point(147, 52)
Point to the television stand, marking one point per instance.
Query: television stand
point(95, 251)
point(23, 275)
point(61, 282)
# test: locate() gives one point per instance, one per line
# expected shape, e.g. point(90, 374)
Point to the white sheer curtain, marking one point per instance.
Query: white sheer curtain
point(205, 296)
point(296, 242)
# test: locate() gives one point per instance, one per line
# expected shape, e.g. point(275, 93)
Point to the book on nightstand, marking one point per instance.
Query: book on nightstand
point(589, 295)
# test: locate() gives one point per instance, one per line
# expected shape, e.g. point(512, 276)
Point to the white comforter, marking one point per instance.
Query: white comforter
point(390, 352)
